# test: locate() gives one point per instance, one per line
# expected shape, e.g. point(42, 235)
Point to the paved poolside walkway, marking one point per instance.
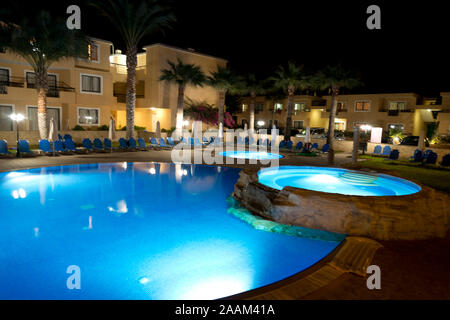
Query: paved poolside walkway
point(409, 269)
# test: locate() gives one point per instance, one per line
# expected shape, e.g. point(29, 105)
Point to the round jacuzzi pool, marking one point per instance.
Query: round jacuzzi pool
point(136, 231)
point(335, 180)
point(254, 155)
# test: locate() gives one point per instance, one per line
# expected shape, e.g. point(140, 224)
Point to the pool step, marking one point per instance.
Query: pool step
point(354, 256)
point(358, 179)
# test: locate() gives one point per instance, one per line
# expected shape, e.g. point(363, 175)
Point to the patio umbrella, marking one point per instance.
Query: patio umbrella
point(307, 136)
point(112, 130)
point(273, 134)
point(220, 133)
point(53, 133)
point(158, 130)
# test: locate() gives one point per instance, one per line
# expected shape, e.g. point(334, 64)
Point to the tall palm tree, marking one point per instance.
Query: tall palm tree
point(183, 75)
point(334, 78)
point(289, 80)
point(253, 88)
point(224, 80)
point(134, 22)
point(41, 40)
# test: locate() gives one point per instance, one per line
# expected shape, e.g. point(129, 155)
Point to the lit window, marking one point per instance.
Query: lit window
point(300, 107)
point(362, 106)
point(397, 105)
point(244, 107)
point(259, 107)
point(340, 106)
point(93, 53)
point(88, 116)
point(396, 127)
point(278, 107)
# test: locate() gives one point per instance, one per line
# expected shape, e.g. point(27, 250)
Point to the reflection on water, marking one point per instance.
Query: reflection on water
point(137, 231)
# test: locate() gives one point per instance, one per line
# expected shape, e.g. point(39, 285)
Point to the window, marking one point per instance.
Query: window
point(300, 107)
point(397, 106)
point(362, 106)
point(273, 122)
point(32, 116)
point(298, 124)
point(259, 107)
point(6, 123)
point(4, 81)
point(93, 51)
point(2, 50)
point(340, 106)
point(52, 82)
point(244, 122)
point(278, 107)
point(244, 107)
point(88, 116)
point(91, 84)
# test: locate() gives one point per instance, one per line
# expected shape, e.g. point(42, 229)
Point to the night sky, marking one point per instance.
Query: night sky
point(409, 53)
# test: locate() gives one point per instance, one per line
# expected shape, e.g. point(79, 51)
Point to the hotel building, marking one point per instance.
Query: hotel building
point(88, 92)
point(406, 111)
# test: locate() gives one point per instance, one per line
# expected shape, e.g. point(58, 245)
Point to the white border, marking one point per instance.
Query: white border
point(13, 106)
point(48, 107)
point(84, 124)
point(9, 73)
point(91, 75)
point(31, 71)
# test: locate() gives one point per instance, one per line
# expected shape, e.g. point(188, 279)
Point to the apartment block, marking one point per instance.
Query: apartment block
point(88, 92)
point(409, 112)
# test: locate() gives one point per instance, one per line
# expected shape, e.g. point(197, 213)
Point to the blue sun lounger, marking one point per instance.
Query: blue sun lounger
point(325, 148)
point(377, 151)
point(98, 145)
point(87, 144)
point(132, 144)
point(59, 147)
point(24, 148)
point(141, 145)
point(154, 143)
point(170, 141)
point(123, 145)
point(299, 145)
point(45, 147)
point(108, 144)
point(386, 151)
point(4, 148)
point(70, 146)
point(162, 143)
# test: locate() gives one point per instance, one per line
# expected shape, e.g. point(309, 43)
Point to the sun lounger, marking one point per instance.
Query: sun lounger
point(87, 144)
point(386, 151)
point(377, 151)
point(4, 148)
point(24, 148)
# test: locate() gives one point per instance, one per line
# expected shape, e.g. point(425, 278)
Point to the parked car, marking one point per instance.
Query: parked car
point(314, 133)
point(413, 141)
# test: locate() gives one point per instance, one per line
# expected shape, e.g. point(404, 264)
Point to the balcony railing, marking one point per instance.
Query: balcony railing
point(319, 103)
point(122, 97)
point(18, 82)
point(395, 112)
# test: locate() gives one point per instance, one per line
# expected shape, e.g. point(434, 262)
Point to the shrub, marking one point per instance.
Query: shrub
point(103, 128)
point(78, 128)
point(137, 128)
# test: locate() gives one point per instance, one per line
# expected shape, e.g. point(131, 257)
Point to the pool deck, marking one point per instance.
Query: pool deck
point(409, 269)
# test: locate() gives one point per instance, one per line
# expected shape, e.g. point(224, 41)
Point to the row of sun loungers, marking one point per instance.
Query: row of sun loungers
point(426, 157)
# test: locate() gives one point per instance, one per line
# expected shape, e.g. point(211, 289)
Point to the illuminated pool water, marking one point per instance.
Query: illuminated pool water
point(334, 180)
point(255, 155)
point(136, 231)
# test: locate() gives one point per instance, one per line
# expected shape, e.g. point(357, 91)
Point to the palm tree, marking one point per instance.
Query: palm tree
point(41, 41)
point(289, 80)
point(334, 78)
point(224, 80)
point(134, 22)
point(253, 88)
point(183, 75)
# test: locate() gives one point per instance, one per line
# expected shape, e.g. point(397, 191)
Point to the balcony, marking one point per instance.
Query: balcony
point(122, 97)
point(319, 103)
point(12, 82)
point(18, 82)
point(394, 113)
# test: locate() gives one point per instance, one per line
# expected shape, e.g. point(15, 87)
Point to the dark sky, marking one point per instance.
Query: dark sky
point(409, 53)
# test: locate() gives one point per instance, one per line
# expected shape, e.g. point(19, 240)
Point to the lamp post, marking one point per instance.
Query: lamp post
point(17, 117)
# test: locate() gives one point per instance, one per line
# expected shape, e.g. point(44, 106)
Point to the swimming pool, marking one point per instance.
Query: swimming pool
point(136, 231)
point(255, 155)
point(335, 180)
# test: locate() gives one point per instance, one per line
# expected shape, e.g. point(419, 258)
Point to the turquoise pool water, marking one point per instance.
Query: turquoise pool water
point(255, 155)
point(335, 180)
point(136, 231)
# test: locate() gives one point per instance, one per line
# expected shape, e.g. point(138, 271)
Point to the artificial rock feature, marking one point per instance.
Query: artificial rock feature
point(422, 215)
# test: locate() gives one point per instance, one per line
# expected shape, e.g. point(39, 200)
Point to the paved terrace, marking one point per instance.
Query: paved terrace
point(409, 269)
